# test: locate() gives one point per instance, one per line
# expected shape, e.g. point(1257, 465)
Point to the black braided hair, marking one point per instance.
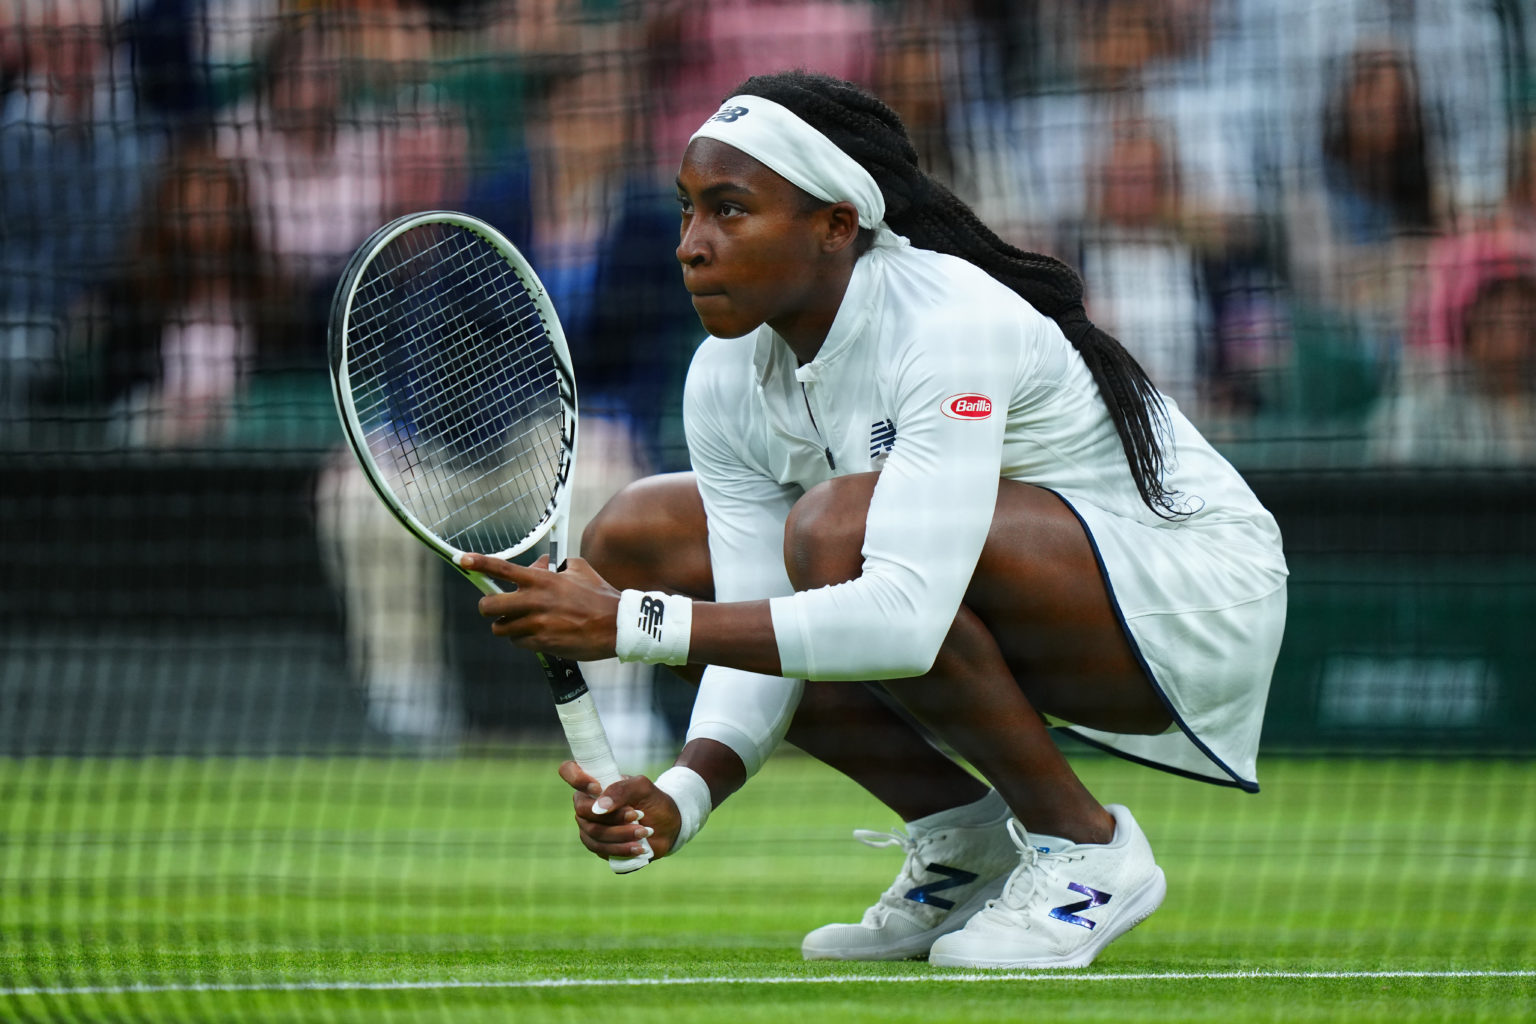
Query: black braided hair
point(934, 218)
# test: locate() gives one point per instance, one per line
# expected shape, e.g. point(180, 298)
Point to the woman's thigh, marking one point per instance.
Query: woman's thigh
point(653, 535)
point(1037, 588)
point(1037, 585)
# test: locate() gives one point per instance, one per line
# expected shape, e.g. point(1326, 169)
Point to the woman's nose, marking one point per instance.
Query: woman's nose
point(691, 251)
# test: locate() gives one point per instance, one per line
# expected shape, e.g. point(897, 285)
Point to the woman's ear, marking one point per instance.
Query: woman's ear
point(841, 227)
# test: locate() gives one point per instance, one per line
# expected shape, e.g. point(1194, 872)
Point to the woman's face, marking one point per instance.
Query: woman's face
point(1501, 338)
point(205, 198)
point(752, 245)
point(1379, 101)
point(1136, 182)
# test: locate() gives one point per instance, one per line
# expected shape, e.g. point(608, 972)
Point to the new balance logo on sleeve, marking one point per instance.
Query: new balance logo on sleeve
point(652, 610)
point(882, 438)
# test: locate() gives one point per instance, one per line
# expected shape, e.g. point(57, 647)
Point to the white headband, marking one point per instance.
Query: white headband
point(775, 136)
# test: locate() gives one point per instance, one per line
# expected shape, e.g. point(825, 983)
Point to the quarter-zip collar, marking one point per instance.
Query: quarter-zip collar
point(772, 356)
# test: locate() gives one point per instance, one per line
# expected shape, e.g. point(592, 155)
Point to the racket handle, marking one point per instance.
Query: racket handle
point(589, 742)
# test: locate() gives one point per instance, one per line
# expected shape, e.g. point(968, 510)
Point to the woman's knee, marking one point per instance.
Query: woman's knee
point(652, 534)
point(824, 533)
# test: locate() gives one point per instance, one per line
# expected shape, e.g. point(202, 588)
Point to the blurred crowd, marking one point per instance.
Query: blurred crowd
point(1313, 221)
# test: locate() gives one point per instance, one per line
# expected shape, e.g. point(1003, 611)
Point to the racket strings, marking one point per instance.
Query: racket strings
point(534, 432)
point(469, 359)
point(456, 387)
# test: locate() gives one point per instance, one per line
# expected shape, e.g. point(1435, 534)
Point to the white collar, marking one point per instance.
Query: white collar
point(772, 355)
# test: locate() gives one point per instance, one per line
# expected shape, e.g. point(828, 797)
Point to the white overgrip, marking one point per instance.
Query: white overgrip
point(589, 747)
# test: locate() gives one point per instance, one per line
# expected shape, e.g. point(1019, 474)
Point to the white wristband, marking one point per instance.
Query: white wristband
point(690, 792)
point(654, 627)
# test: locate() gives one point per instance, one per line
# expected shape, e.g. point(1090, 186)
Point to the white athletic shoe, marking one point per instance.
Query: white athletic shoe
point(1061, 906)
point(956, 861)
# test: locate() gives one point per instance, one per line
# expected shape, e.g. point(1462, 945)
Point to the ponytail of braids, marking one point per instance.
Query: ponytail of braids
point(932, 217)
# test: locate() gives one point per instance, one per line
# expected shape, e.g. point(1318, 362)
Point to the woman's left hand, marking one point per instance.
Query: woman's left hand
point(570, 614)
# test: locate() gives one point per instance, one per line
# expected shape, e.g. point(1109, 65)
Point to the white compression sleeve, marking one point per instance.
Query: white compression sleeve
point(745, 711)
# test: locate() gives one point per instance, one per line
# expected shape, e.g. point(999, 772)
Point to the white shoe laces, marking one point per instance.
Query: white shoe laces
point(1019, 892)
point(1020, 887)
point(895, 897)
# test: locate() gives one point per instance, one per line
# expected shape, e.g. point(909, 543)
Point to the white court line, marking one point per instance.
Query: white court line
point(537, 983)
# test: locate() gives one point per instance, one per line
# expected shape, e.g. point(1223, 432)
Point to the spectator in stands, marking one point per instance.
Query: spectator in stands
point(1469, 398)
point(917, 43)
point(1148, 284)
point(324, 173)
point(1376, 151)
point(1023, 137)
point(1362, 233)
point(75, 157)
point(1128, 59)
point(576, 192)
point(592, 216)
point(1463, 390)
point(599, 223)
point(1461, 58)
point(697, 51)
point(185, 316)
point(171, 77)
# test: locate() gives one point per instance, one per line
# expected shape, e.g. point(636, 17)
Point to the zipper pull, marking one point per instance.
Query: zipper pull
point(831, 463)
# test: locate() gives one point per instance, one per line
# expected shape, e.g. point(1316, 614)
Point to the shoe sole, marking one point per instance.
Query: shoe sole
point(914, 947)
point(1137, 908)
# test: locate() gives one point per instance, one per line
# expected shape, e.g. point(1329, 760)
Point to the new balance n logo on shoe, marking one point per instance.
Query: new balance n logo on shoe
point(1068, 913)
point(651, 612)
point(952, 877)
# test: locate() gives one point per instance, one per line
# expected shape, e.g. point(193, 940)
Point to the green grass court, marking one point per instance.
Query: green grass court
point(397, 889)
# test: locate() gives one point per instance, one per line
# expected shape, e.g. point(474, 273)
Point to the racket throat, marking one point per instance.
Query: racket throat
point(564, 677)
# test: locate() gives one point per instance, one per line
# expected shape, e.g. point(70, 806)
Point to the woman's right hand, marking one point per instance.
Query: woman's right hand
point(613, 822)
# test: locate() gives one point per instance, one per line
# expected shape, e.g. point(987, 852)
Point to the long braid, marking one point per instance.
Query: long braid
point(932, 216)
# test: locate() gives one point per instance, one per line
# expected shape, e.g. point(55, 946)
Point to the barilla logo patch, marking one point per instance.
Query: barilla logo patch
point(968, 407)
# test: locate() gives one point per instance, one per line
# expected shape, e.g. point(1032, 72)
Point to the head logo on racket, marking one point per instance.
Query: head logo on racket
point(968, 406)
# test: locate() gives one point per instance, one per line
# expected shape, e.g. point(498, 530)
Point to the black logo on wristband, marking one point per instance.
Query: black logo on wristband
point(652, 609)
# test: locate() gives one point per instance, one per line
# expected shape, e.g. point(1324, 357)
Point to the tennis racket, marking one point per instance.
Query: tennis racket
point(456, 393)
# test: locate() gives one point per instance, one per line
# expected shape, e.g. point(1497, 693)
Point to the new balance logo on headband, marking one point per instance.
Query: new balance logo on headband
point(652, 610)
point(729, 114)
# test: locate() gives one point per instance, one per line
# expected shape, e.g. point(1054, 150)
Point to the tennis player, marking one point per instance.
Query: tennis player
point(917, 462)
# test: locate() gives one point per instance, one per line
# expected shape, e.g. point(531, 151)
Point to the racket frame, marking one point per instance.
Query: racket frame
point(573, 701)
point(557, 514)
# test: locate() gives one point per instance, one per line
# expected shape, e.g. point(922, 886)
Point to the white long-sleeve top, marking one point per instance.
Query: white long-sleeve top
point(945, 381)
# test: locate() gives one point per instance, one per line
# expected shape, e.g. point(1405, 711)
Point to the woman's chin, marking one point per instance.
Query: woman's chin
point(719, 323)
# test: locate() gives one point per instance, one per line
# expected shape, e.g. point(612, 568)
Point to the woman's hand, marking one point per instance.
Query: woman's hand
point(571, 614)
point(614, 821)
